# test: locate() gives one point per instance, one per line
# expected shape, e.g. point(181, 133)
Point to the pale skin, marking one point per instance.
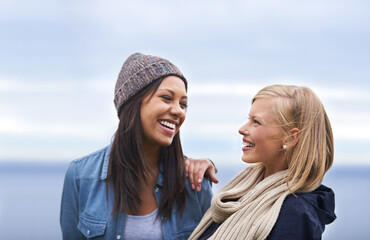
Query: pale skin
point(196, 168)
point(264, 138)
point(161, 117)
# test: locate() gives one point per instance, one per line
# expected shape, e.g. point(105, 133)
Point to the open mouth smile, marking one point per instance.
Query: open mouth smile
point(248, 144)
point(168, 125)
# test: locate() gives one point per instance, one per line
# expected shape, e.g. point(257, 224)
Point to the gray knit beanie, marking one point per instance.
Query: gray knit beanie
point(137, 72)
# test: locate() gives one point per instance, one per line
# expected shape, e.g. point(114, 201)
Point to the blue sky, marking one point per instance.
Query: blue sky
point(59, 61)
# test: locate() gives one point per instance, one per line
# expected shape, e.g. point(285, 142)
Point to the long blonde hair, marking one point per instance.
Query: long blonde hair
point(312, 156)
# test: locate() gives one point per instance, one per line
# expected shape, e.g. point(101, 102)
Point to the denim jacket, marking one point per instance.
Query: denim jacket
point(86, 212)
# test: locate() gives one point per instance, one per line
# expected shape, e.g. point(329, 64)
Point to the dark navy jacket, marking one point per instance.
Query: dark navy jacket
point(304, 217)
point(301, 217)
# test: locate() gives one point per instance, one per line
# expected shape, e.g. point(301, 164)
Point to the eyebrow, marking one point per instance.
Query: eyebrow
point(254, 116)
point(172, 92)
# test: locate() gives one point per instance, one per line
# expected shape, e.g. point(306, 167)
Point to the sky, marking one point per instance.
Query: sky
point(59, 61)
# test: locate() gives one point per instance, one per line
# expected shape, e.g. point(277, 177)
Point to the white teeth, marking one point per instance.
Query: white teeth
point(167, 124)
point(247, 144)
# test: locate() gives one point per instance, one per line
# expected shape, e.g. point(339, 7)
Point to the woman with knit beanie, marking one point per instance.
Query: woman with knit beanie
point(289, 142)
point(136, 188)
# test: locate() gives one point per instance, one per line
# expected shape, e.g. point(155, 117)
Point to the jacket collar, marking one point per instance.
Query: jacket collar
point(104, 170)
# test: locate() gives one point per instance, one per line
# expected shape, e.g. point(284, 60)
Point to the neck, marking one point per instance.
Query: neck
point(269, 170)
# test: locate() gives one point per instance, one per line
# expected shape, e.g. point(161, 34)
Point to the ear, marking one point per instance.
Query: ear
point(293, 137)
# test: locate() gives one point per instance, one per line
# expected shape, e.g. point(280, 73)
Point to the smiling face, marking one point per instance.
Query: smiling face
point(263, 137)
point(163, 113)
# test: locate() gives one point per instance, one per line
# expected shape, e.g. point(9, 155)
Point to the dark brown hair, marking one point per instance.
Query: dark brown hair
point(127, 164)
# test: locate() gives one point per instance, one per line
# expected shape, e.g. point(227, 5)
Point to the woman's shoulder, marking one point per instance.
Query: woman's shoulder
point(295, 205)
point(204, 196)
point(305, 214)
point(206, 185)
point(319, 202)
point(91, 165)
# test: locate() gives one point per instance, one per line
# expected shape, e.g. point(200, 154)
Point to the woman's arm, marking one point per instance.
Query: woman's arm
point(69, 215)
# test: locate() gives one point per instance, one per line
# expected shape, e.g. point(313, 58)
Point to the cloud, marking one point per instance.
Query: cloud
point(238, 89)
point(11, 125)
point(61, 58)
point(123, 18)
point(16, 85)
point(226, 16)
point(223, 89)
point(352, 131)
point(23, 86)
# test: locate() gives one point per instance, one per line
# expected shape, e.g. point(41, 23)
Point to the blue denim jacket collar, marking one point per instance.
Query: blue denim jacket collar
point(104, 170)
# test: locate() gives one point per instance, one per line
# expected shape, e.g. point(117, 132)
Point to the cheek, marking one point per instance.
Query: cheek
point(266, 141)
point(272, 145)
point(183, 119)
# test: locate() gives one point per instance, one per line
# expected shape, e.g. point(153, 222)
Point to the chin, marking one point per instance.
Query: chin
point(248, 160)
point(245, 161)
point(166, 143)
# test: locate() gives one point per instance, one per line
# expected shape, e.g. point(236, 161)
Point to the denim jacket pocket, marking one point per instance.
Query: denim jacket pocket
point(90, 227)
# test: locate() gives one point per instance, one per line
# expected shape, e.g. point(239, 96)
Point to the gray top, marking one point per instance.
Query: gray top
point(143, 227)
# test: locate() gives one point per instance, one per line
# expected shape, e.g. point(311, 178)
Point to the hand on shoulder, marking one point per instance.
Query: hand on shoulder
point(196, 169)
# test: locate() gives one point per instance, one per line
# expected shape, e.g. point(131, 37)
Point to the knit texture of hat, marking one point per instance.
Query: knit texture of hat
point(137, 72)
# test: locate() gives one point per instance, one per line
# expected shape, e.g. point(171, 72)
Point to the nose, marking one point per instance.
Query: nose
point(177, 110)
point(243, 130)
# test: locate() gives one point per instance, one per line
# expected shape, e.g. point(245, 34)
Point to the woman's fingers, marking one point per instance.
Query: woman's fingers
point(196, 169)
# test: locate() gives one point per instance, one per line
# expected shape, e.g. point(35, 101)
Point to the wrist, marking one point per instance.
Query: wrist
point(214, 165)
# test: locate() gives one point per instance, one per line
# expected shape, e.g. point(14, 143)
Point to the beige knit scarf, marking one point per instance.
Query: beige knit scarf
point(255, 211)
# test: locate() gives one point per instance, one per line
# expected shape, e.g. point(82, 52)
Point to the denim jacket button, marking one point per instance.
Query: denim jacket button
point(156, 189)
point(118, 236)
point(88, 232)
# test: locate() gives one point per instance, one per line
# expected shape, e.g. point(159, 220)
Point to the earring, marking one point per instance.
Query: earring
point(285, 146)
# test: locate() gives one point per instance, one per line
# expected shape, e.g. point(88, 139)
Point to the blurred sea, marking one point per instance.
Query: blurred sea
point(30, 200)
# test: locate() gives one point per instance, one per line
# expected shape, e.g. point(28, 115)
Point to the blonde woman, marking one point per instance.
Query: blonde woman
point(289, 142)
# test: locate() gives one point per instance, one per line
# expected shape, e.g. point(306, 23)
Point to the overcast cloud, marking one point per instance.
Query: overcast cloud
point(59, 61)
